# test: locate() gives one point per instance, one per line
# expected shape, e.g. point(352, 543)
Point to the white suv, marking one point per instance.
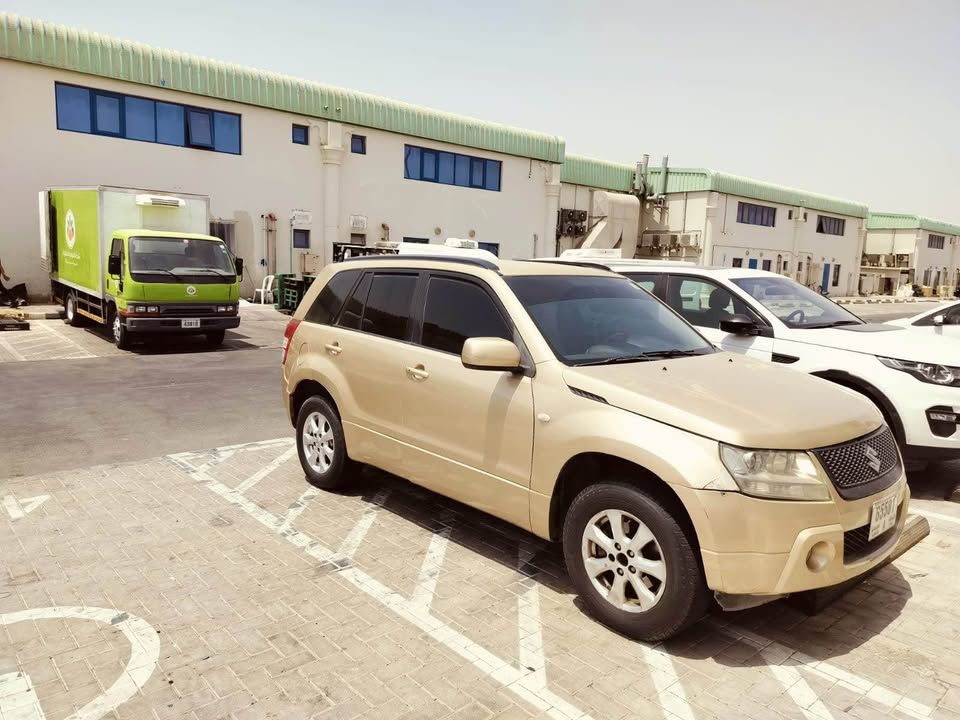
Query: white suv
point(914, 379)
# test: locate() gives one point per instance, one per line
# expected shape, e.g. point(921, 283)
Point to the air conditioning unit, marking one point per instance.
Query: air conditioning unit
point(301, 217)
point(581, 216)
point(358, 222)
point(689, 240)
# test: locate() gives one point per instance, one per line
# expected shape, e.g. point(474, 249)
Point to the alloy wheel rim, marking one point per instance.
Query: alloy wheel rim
point(70, 309)
point(116, 328)
point(318, 442)
point(624, 561)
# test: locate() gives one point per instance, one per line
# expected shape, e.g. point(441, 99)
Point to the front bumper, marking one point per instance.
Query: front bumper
point(918, 404)
point(770, 554)
point(174, 324)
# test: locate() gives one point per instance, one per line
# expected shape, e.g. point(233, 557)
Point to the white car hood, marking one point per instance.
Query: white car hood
point(884, 340)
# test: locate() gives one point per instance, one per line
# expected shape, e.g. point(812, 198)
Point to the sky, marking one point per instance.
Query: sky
point(851, 98)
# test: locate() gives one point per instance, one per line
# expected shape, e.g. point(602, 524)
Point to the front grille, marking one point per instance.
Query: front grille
point(188, 310)
point(864, 466)
point(856, 545)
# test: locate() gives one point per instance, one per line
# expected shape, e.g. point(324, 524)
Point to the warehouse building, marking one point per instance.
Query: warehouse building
point(910, 249)
point(292, 168)
point(715, 218)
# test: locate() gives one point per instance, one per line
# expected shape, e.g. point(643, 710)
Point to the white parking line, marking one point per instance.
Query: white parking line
point(776, 653)
point(266, 470)
point(295, 510)
point(430, 570)
point(5, 344)
point(529, 625)
point(348, 548)
point(80, 352)
point(936, 515)
point(670, 693)
point(521, 683)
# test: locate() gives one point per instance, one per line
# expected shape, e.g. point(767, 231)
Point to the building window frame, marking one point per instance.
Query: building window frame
point(300, 237)
point(358, 144)
point(300, 134)
point(469, 171)
point(936, 242)
point(753, 214)
point(829, 225)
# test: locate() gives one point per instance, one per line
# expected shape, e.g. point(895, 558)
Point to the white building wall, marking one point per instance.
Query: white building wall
point(933, 261)
point(271, 176)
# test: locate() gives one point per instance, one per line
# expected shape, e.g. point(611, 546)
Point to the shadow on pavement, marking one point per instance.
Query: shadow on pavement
point(862, 612)
point(939, 481)
point(161, 344)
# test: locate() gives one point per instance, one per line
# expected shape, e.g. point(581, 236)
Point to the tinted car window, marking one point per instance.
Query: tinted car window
point(593, 320)
point(387, 311)
point(328, 303)
point(701, 302)
point(795, 305)
point(457, 310)
point(353, 312)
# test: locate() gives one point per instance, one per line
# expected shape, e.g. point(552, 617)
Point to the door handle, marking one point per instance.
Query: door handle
point(334, 348)
point(418, 373)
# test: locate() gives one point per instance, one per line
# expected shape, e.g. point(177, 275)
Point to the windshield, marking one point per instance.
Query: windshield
point(179, 256)
point(795, 305)
point(595, 320)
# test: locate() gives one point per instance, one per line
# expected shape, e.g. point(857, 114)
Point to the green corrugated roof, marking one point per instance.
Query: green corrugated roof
point(580, 170)
point(898, 221)
point(699, 179)
point(67, 48)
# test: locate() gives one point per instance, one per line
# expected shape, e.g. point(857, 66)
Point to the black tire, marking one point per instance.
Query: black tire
point(70, 315)
point(337, 475)
point(122, 337)
point(215, 337)
point(683, 596)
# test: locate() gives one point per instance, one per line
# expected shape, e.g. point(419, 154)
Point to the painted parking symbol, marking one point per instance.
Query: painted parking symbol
point(17, 697)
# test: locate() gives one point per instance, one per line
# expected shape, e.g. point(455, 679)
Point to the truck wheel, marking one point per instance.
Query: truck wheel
point(121, 336)
point(215, 337)
point(70, 315)
point(632, 563)
point(321, 445)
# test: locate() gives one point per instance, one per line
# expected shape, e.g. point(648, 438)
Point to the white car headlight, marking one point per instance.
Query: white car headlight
point(777, 474)
point(927, 372)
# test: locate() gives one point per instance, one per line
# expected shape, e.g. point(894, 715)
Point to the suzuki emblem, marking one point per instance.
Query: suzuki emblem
point(873, 458)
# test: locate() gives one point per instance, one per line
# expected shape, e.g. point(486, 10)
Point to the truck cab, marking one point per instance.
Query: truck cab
point(170, 282)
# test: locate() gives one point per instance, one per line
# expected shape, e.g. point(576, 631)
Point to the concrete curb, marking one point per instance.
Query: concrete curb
point(26, 313)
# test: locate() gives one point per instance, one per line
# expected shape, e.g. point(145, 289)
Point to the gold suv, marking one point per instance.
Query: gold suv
point(570, 402)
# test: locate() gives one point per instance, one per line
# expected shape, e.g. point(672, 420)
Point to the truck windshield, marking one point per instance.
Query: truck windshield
point(180, 256)
point(604, 320)
point(795, 305)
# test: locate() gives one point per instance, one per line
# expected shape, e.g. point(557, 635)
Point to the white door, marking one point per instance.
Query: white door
point(705, 304)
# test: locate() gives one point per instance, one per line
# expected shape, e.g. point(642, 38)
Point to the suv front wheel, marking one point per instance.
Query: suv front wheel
point(321, 445)
point(632, 563)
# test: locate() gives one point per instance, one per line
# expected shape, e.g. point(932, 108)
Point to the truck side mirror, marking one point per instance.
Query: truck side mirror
point(238, 267)
point(113, 265)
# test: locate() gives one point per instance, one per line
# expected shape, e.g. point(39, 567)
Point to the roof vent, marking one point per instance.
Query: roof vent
point(160, 201)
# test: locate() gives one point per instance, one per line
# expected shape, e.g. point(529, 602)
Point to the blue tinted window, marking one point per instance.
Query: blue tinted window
point(489, 247)
point(492, 177)
point(429, 164)
point(411, 162)
point(169, 123)
point(141, 121)
point(358, 144)
point(451, 168)
point(199, 128)
point(73, 108)
point(445, 170)
point(226, 132)
point(476, 172)
point(301, 238)
point(462, 175)
point(107, 114)
point(301, 135)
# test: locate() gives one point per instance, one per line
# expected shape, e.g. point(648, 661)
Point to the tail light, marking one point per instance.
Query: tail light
point(288, 338)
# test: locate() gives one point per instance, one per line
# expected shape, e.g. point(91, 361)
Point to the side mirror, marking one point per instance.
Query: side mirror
point(113, 266)
point(238, 267)
point(490, 353)
point(939, 320)
point(739, 324)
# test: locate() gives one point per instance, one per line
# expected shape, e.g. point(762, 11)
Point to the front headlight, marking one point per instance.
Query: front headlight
point(927, 372)
point(778, 474)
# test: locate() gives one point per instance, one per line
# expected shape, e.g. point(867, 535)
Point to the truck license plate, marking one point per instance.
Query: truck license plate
point(883, 516)
point(190, 323)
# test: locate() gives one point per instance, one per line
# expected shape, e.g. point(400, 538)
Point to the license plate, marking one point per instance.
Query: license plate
point(190, 323)
point(883, 516)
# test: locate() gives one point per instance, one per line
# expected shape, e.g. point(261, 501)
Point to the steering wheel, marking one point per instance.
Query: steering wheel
point(801, 316)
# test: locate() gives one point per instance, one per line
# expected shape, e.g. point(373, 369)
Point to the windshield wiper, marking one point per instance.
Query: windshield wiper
point(158, 270)
point(835, 323)
point(642, 357)
point(218, 271)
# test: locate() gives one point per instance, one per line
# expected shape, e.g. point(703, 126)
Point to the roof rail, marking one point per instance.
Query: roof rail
point(412, 259)
point(578, 263)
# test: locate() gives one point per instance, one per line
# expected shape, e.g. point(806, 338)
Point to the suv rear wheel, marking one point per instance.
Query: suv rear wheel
point(321, 445)
point(633, 563)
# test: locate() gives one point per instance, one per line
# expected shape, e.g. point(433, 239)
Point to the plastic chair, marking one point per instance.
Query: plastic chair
point(265, 289)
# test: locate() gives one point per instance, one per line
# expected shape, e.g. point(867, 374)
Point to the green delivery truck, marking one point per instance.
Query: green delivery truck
point(138, 262)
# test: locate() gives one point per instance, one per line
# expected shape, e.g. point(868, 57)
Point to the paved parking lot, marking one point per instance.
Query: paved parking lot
point(218, 584)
